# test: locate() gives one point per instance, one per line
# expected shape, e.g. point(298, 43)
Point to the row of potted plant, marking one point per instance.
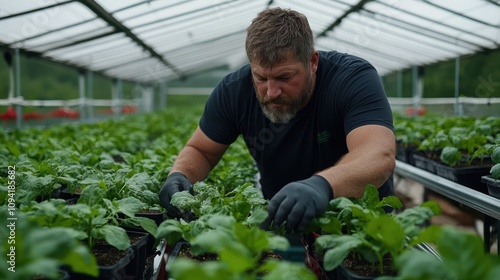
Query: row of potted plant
point(90, 183)
point(462, 149)
point(93, 183)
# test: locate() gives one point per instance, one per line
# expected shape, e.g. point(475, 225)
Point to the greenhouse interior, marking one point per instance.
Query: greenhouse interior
point(104, 104)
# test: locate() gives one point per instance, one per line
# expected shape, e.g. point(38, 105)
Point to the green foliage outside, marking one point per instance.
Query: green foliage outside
point(479, 77)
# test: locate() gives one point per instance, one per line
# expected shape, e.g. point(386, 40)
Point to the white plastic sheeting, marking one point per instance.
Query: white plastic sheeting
point(161, 40)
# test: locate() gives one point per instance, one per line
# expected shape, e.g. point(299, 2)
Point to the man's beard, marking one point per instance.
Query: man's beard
point(284, 114)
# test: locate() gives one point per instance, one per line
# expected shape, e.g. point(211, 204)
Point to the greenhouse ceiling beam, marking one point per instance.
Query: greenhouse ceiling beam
point(434, 22)
point(419, 30)
point(103, 14)
point(87, 39)
point(154, 11)
point(184, 14)
point(36, 10)
point(180, 48)
point(42, 56)
point(74, 24)
point(393, 58)
point(460, 14)
point(337, 22)
point(493, 2)
point(53, 31)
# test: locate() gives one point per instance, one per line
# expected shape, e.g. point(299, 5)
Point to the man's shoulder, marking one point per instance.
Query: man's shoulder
point(343, 59)
point(239, 76)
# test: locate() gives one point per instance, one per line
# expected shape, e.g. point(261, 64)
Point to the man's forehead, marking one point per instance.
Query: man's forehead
point(284, 65)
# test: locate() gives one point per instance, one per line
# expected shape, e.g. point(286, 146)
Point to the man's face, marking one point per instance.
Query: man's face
point(284, 88)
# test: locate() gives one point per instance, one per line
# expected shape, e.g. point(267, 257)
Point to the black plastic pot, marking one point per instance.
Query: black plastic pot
point(466, 176)
point(405, 154)
point(117, 271)
point(137, 264)
point(492, 185)
point(158, 217)
point(343, 273)
point(424, 163)
point(314, 261)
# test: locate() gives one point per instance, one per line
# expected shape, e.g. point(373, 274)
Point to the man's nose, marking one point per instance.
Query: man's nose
point(273, 89)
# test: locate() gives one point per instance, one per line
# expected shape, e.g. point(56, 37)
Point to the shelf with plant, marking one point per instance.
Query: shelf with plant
point(217, 246)
point(359, 235)
point(38, 254)
point(461, 257)
point(492, 180)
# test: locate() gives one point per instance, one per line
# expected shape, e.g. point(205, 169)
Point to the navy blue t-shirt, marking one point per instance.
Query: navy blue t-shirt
point(348, 94)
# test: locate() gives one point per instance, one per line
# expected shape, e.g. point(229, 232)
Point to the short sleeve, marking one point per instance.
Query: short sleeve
point(218, 121)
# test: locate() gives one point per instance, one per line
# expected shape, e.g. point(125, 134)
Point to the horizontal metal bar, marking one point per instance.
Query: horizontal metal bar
point(479, 201)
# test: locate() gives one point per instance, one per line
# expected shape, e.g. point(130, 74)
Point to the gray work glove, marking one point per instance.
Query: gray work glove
point(298, 203)
point(176, 182)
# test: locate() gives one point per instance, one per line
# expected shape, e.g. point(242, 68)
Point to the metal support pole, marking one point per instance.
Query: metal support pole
point(90, 95)
point(118, 97)
point(163, 95)
point(458, 107)
point(399, 85)
point(81, 88)
point(416, 97)
point(19, 107)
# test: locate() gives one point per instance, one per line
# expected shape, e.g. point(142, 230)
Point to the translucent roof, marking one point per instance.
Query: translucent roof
point(160, 40)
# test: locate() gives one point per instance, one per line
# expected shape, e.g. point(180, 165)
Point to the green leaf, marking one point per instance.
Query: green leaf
point(130, 205)
point(92, 195)
point(495, 155)
point(186, 269)
point(495, 171)
point(115, 236)
point(170, 230)
point(387, 231)
point(238, 258)
point(450, 155)
point(148, 225)
point(343, 245)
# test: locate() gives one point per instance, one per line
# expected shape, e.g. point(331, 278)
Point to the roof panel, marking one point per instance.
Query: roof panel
point(172, 38)
point(40, 22)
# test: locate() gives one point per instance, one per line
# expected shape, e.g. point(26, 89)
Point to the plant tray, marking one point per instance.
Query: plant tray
point(405, 154)
point(493, 185)
point(111, 272)
point(424, 163)
point(466, 176)
point(138, 262)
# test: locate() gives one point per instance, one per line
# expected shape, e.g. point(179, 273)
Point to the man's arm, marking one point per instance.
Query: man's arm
point(370, 160)
point(198, 157)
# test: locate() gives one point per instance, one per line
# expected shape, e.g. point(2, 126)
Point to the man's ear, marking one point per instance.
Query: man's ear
point(314, 61)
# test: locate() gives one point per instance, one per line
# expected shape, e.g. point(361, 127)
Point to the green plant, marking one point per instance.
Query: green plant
point(495, 158)
point(367, 231)
point(238, 202)
point(461, 257)
point(28, 250)
point(240, 248)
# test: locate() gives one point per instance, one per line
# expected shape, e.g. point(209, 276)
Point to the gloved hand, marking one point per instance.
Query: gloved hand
point(176, 182)
point(299, 202)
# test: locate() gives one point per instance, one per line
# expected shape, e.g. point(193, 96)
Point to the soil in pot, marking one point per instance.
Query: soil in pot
point(185, 252)
point(363, 268)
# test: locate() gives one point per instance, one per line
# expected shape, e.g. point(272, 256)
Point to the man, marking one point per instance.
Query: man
point(318, 124)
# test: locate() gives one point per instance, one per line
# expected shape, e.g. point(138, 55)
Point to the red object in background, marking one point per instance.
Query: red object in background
point(64, 113)
point(124, 110)
point(410, 111)
point(33, 116)
point(10, 114)
point(129, 109)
